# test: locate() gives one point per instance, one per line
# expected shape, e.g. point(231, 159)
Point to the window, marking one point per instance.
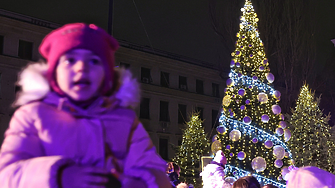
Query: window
point(181, 113)
point(183, 83)
point(145, 75)
point(199, 86)
point(144, 108)
point(165, 82)
point(215, 90)
point(25, 50)
point(201, 112)
point(1, 44)
point(124, 65)
point(215, 118)
point(163, 148)
point(164, 111)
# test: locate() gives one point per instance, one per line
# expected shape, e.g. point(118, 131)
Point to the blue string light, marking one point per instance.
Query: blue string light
point(246, 80)
point(250, 130)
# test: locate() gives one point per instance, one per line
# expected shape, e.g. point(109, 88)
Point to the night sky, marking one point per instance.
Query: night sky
point(180, 27)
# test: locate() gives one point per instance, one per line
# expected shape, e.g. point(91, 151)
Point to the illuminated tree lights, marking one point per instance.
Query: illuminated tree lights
point(311, 144)
point(194, 145)
point(255, 137)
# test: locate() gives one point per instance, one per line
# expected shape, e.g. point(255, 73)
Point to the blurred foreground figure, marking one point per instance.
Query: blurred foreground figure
point(213, 175)
point(310, 177)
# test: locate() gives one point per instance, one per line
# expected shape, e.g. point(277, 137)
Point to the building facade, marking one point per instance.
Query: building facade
point(172, 86)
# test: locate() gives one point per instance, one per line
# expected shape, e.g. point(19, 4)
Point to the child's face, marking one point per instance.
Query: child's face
point(79, 74)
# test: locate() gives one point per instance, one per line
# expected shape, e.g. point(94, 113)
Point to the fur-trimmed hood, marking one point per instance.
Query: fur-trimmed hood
point(35, 87)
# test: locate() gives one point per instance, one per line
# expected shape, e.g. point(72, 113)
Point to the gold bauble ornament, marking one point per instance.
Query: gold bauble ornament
point(262, 98)
point(216, 146)
point(226, 100)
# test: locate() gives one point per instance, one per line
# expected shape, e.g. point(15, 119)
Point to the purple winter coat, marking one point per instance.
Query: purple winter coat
point(48, 131)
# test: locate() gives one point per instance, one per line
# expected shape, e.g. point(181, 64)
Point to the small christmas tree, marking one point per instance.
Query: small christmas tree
point(311, 144)
point(193, 146)
point(332, 130)
point(253, 131)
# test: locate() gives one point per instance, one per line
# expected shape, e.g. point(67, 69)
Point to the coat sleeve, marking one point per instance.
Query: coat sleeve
point(22, 159)
point(143, 162)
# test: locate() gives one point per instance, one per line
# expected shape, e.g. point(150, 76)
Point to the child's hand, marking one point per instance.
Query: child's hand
point(84, 176)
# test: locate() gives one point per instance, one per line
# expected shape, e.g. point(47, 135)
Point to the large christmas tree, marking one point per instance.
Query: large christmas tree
point(194, 145)
point(253, 131)
point(311, 144)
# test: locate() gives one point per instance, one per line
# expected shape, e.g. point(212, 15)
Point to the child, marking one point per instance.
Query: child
point(75, 127)
point(182, 185)
point(246, 182)
point(213, 175)
point(269, 186)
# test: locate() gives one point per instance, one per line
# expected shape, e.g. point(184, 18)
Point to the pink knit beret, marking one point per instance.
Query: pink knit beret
point(79, 36)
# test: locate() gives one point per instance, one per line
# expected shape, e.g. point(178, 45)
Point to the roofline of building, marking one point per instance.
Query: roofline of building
point(123, 43)
point(166, 54)
point(28, 19)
